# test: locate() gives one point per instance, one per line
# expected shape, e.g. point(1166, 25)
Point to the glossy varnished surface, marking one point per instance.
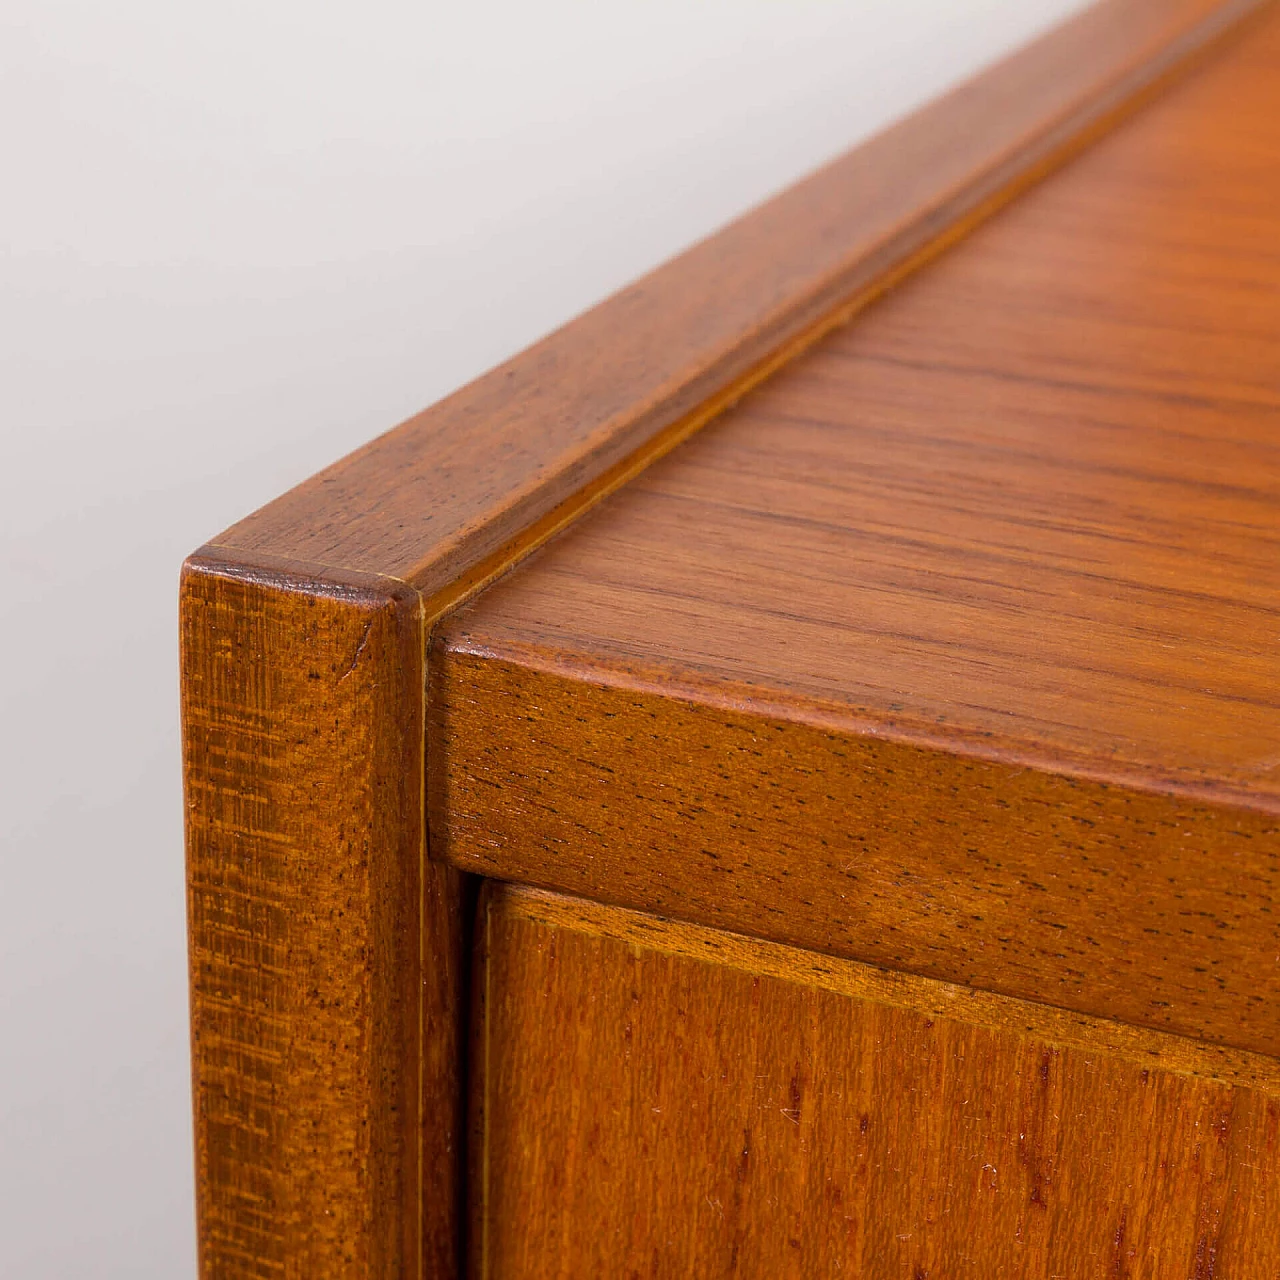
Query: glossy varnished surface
point(1029, 503)
point(658, 1100)
point(327, 1096)
point(458, 483)
point(954, 647)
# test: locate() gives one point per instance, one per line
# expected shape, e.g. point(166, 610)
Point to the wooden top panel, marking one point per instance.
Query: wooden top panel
point(1027, 506)
point(454, 493)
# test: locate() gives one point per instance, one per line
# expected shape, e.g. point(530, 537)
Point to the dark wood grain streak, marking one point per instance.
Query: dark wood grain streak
point(665, 1100)
point(955, 646)
point(305, 1039)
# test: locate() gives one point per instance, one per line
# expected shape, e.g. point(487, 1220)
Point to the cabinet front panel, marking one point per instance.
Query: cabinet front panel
point(655, 1100)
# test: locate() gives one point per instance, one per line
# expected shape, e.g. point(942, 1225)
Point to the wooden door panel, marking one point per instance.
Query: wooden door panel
point(654, 1099)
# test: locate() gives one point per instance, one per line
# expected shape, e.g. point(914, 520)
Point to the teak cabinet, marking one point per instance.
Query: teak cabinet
point(782, 778)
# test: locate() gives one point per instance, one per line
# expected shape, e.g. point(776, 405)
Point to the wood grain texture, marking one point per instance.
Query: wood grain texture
point(662, 1100)
point(314, 1019)
point(433, 501)
point(953, 648)
point(303, 817)
point(1102, 899)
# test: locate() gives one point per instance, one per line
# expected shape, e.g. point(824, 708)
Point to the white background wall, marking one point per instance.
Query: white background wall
point(237, 240)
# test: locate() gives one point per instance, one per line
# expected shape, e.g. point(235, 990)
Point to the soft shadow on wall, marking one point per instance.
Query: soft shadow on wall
point(235, 242)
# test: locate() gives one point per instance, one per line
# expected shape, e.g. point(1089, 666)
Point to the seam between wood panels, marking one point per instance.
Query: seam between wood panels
point(486, 1080)
point(857, 980)
point(423, 857)
point(241, 557)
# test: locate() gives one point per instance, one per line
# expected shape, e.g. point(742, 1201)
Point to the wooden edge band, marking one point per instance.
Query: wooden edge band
point(327, 957)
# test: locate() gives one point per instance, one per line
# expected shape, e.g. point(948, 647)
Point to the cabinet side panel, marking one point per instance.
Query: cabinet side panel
point(302, 711)
point(644, 1110)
